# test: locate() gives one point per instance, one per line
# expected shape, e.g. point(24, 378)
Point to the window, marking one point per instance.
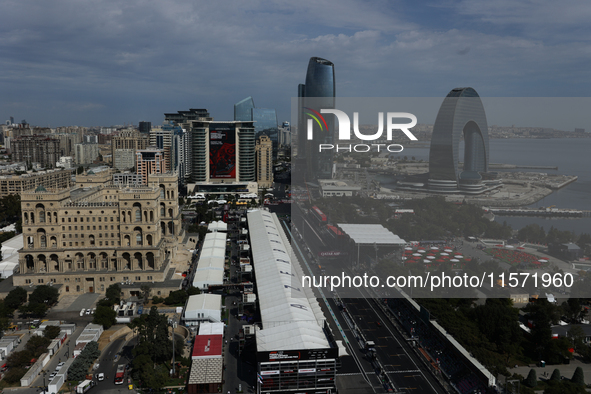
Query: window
point(100, 227)
point(69, 228)
point(67, 288)
point(69, 220)
point(138, 278)
point(27, 281)
point(112, 279)
point(39, 280)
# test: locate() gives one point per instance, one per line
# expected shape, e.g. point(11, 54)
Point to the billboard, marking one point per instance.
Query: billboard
point(222, 154)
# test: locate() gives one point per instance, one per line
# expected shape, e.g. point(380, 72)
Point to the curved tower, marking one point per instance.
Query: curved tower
point(461, 114)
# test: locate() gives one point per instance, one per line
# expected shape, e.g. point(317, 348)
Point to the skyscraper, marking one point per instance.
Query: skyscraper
point(243, 110)
point(265, 120)
point(264, 161)
point(461, 114)
point(145, 127)
point(318, 92)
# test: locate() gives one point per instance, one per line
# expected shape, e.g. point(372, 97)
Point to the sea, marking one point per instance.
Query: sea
point(572, 156)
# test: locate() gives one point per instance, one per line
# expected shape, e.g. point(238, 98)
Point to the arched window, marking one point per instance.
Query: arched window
point(138, 215)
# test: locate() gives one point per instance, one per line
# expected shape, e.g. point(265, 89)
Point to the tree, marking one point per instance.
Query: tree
point(113, 293)
point(578, 377)
point(577, 336)
point(51, 332)
point(193, 291)
point(44, 294)
point(15, 298)
point(176, 297)
point(19, 359)
point(146, 290)
point(532, 379)
point(105, 316)
point(555, 375)
point(14, 375)
point(82, 363)
point(37, 345)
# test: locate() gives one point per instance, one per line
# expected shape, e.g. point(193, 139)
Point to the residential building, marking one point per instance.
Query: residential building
point(150, 161)
point(264, 162)
point(17, 184)
point(36, 149)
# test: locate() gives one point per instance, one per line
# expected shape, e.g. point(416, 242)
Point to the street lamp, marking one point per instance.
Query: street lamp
point(44, 372)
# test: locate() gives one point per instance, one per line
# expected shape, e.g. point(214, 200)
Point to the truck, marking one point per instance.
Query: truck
point(120, 375)
point(84, 386)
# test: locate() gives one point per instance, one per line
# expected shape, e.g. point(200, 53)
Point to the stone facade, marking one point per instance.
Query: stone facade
point(90, 237)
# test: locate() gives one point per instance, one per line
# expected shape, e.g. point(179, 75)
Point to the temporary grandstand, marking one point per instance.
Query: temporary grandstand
point(295, 350)
point(466, 374)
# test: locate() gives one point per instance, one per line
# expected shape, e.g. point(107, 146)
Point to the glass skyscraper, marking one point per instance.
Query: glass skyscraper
point(318, 92)
point(243, 110)
point(265, 120)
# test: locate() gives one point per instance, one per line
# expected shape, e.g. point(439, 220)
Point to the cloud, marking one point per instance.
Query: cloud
point(137, 59)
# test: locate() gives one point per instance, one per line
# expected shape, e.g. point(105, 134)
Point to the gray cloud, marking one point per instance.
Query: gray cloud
point(107, 62)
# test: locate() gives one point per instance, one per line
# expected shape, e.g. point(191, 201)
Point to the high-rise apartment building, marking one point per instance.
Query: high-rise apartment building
point(222, 152)
point(86, 153)
point(150, 161)
point(264, 161)
point(127, 142)
point(36, 149)
point(145, 127)
point(318, 92)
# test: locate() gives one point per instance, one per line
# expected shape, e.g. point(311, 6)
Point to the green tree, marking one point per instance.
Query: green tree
point(146, 290)
point(158, 378)
point(19, 359)
point(14, 375)
point(82, 363)
point(51, 332)
point(578, 377)
point(577, 336)
point(193, 291)
point(532, 379)
point(37, 345)
point(555, 375)
point(15, 298)
point(113, 293)
point(34, 309)
point(105, 316)
point(79, 170)
point(176, 297)
point(44, 294)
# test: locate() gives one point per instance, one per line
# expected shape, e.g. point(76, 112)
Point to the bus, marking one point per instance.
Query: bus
point(120, 375)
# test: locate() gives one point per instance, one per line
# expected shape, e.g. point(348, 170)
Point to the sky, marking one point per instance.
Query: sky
point(108, 62)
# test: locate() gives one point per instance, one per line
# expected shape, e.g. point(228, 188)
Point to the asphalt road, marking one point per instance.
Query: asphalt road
point(394, 353)
point(396, 356)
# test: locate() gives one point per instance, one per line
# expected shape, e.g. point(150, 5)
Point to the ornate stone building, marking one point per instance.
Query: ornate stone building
point(97, 234)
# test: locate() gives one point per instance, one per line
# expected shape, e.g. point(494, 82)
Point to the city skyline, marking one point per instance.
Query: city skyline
point(111, 64)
